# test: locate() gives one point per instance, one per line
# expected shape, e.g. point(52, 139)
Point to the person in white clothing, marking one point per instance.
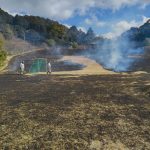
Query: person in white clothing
point(22, 67)
point(49, 69)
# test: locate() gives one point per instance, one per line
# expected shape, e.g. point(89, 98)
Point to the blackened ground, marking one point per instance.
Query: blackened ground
point(29, 58)
point(107, 112)
point(143, 64)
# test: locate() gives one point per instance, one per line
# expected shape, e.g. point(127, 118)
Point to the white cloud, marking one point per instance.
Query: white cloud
point(109, 35)
point(145, 19)
point(100, 24)
point(67, 25)
point(122, 26)
point(64, 9)
point(94, 21)
point(144, 3)
point(79, 27)
point(88, 21)
point(119, 28)
point(117, 4)
point(82, 28)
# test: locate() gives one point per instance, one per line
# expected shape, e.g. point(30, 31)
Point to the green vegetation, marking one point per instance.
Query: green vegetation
point(38, 30)
point(2, 57)
point(74, 45)
point(51, 42)
point(2, 52)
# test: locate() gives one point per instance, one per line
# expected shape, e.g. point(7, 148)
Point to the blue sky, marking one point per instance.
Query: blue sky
point(104, 20)
point(107, 17)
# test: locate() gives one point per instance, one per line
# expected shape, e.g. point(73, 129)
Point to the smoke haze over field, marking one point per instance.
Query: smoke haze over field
point(114, 54)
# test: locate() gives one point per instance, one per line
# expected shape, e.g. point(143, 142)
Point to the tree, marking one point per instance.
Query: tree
point(72, 34)
point(51, 42)
point(5, 18)
point(147, 42)
point(89, 37)
point(56, 31)
point(7, 31)
point(20, 21)
point(74, 45)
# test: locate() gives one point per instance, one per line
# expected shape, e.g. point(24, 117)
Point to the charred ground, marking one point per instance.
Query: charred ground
point(28, 58)
point(62, 112)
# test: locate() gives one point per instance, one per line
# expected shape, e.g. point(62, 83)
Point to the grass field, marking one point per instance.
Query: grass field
point(104, 112)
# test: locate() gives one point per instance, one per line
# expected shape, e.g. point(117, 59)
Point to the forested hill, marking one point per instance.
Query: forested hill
point(139, 35)
point(35, 29)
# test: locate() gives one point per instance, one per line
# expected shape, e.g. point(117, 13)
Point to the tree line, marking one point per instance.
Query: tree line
point(37, 29)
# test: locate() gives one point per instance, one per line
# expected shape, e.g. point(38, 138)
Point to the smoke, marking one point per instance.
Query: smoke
point(14, 65)
point(56, 50)
point(115, 54)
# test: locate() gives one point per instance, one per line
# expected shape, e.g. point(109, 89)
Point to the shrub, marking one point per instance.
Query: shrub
point(2, 57)
point(2, 52)
point(74, 45)
point(51, 42)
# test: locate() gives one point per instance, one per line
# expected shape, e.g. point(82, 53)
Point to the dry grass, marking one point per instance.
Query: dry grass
point(92, 67)
point(107, 112)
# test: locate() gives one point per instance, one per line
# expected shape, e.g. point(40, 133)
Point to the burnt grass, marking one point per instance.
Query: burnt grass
point(28, 58)
point(43, 112)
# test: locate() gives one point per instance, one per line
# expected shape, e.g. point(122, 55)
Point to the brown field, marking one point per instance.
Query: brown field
point(59, 112)
point(78, 107)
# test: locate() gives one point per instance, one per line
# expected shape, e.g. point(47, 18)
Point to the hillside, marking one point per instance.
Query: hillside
point(139, 35)
point(37, 30)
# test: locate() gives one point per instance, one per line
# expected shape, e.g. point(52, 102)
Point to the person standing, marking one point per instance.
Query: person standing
point(49, 69)
point(22, 67)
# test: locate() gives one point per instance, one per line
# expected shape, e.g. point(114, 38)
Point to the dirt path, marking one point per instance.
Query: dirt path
point(91, 66)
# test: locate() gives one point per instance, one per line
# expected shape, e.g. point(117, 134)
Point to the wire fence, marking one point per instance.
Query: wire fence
point(38, 65)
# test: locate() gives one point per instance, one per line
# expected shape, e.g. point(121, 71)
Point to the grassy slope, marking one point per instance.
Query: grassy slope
point(111, 112)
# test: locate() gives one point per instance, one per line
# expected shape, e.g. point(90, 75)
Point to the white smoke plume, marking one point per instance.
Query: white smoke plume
point(115, 54)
